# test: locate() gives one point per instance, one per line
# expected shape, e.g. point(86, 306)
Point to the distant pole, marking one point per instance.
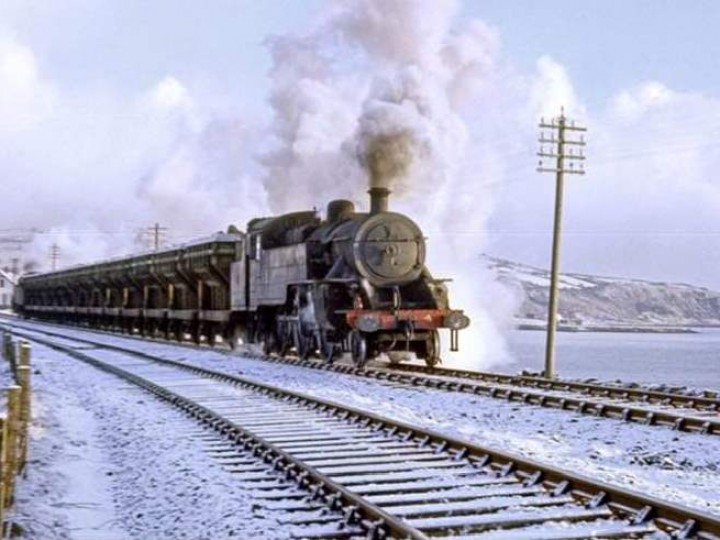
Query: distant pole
point(156, 236)
point(155, 232)
point(54, 256)
point(565, 162)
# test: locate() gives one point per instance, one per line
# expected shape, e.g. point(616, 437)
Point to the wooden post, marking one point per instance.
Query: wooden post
point(24, 415)
point(24, 353)
point(11, 357)
point(13, 416)
point(566, 161)
point(7, 345)
point(3, 469)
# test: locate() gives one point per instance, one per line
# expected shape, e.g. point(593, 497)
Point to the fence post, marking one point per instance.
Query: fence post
point(11, 356)
point(3, 469)
point(24, 378)
point(24, 416)
point(13, 421)
point(24, 353)
point(7, 345)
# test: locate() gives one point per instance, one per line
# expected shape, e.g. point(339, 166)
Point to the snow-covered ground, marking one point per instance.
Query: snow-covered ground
point(146, 480)
point(677, 466)
point(110, 462)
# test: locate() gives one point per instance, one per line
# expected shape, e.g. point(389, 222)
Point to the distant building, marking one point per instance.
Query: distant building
point(7, 287)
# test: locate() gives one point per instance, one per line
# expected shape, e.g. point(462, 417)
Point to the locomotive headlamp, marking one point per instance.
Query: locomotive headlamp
point(455, 320)
point(368, 322)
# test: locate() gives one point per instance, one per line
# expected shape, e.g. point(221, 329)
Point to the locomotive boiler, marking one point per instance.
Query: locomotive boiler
point(353, 282)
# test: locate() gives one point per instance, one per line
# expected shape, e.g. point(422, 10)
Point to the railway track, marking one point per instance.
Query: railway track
point(339, 472)
point(697, 415)
point(694, 414)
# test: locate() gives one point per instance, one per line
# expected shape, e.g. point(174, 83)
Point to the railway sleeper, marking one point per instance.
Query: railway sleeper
point(477, 523)
point(481, 506)
point(427, 485)
point(464, 521)
point(371, 459)
point(453, 494)
point(289, 431)
point(328, 532)
point(563, 531)
point(403, 476)
point(395, 466)
point(359, 452)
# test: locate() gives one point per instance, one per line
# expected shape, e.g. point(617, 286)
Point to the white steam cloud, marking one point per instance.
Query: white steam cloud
point(394, 118)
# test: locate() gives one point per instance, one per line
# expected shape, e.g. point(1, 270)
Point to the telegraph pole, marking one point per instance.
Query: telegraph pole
point(54, 256)
point(156, 233)
point(157, 230)
point(567, 161)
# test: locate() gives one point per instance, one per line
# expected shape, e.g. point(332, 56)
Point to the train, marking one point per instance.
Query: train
point(353, 282)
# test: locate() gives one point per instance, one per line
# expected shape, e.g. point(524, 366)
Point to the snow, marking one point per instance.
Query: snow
point(543, 279)
point(99, 471)
point(681, 467)
point(522, 273)
point(593, 400)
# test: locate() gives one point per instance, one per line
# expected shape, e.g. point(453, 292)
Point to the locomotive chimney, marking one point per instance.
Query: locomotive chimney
point(378, 199)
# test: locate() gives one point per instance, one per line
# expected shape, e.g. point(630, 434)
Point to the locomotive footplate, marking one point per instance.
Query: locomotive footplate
point(367, 320)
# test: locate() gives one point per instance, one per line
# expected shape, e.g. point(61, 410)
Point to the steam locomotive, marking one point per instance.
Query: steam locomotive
point(355, 282)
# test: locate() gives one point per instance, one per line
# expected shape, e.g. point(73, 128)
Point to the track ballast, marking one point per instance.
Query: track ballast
point(681, 412)
point(357, 474)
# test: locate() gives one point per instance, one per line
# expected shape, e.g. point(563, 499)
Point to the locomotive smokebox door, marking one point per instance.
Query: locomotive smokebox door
point(389, 250)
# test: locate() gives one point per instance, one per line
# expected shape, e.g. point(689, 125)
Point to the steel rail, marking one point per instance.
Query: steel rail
point(307, 477)
point(619, 411)
point(600, 409)
point(703, 403)
point(637, 508)
point(710, 403)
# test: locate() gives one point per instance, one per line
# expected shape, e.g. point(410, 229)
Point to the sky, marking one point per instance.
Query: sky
point(117, 115)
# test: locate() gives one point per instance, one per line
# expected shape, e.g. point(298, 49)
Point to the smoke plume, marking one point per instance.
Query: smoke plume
point(400, 109)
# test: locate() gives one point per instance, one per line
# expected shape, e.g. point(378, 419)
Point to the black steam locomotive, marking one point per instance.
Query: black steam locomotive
point(354, 282)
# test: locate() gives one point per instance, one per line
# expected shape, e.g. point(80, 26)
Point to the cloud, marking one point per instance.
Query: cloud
point(552, 90)
point(169, 93)
point(17, 67)
point(25, 98)
point(90, 166)
point(648, 205)
point(636, 101)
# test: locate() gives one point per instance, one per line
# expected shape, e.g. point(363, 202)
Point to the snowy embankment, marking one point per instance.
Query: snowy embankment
point(603, 303)
point(680, 467)
point(110, 462)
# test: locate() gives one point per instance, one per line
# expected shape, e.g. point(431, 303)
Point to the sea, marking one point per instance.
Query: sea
point(683, 360)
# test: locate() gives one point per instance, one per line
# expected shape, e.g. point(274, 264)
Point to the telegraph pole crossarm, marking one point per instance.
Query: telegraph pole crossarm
point(54, 256)
point(567, 161)
point(153, 235)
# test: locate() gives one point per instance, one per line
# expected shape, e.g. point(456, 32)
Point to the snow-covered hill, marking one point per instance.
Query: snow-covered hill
point(595, 300)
